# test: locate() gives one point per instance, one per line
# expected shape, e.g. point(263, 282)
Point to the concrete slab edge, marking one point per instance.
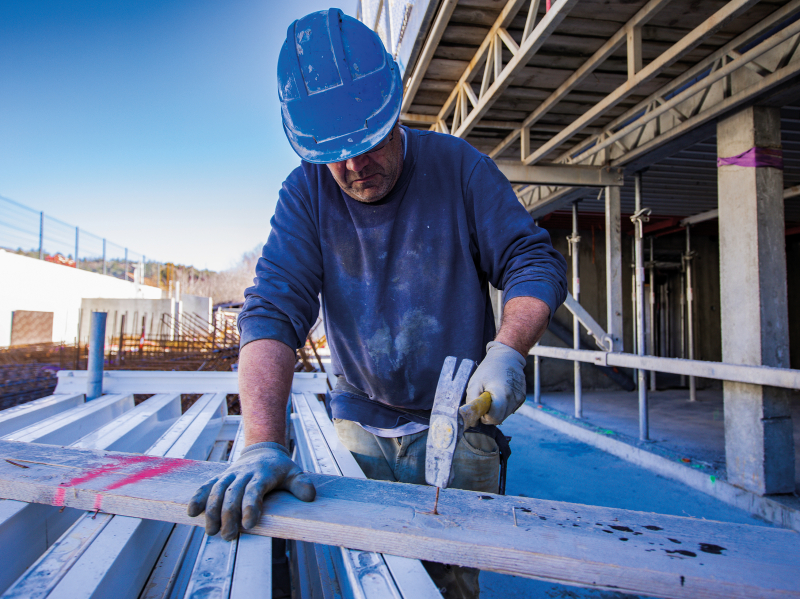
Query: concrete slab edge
point(763, 507)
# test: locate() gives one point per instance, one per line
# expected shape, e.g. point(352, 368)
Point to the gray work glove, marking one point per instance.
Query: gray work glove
point(501, 375)
point(261, 468)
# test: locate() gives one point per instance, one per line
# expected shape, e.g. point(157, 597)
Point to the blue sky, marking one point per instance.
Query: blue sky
point(155, 124)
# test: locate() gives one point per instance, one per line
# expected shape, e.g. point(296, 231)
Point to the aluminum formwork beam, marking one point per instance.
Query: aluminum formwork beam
point(360, 574)
point(133, 381)
point(235, 569)
point(67, 427)
point(27, 414)
point(93, 558)
point(42, 524)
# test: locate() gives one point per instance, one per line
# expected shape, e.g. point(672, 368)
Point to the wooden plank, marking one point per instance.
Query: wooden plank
point(67, 427)
point(13, 419)
point(90, 561)
point(137, 381)
point(629, 551)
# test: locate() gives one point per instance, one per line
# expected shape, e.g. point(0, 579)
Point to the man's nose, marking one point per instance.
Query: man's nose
point(358, 163)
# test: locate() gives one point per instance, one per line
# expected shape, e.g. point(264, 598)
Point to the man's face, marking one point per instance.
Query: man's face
point(371, 176)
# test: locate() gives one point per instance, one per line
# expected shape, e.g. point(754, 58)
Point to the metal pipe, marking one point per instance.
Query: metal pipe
point(722, 371)
point(683, 319)
point(668, 318)
point(713, 76)
point(41, 236)
point(97, 342)
point(574, 245)
point(652, 348)
point(537, 381)
point(638, 218)
point(662, 321)
point(689, 313)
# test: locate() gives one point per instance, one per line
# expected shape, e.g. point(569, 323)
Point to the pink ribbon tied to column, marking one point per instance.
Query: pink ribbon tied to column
point(755, 158)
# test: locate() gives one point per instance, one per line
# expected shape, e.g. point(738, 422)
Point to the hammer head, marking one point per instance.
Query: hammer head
point(445, 424)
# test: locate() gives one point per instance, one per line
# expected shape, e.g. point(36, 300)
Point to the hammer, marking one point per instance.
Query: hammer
point(449, 421)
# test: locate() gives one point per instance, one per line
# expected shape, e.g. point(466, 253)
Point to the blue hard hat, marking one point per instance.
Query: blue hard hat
point(339, 88)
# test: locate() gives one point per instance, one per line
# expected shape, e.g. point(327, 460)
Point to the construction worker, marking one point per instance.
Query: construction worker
point(400, 232)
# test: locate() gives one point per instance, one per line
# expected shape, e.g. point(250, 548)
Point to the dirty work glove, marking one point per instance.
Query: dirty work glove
point(239, 490)
point(501, 375)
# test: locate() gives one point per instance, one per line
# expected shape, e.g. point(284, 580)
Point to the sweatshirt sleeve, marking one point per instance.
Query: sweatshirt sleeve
point(283, 302)
point(517, 256)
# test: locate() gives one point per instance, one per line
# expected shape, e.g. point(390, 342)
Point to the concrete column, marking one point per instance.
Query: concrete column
point(759, 447)
point(613, 268)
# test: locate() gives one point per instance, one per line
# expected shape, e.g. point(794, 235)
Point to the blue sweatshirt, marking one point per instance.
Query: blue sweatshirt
point(405, 281)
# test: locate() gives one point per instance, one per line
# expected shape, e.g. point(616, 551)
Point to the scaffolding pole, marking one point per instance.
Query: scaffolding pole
point(690, 312)
point(652, 313)
point(574, 243)
point(639, 218)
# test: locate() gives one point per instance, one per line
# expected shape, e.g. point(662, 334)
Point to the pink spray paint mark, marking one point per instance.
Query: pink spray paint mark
point(98, 502)
point(58, 500)
point(147, 473)
point(122, 462)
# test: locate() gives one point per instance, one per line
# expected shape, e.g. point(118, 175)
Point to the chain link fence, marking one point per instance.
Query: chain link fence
point(35, 234)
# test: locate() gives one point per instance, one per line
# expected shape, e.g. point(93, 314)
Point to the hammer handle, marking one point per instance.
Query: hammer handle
point(472, 411)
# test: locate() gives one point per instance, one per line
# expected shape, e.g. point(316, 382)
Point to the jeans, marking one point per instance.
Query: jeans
point(476, 467)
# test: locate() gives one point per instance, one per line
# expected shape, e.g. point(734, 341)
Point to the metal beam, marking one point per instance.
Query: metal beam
point(699, 126)
point(561, 174)
point(601, 338)
point(425, 57)
point(700, 218)
point(586, 69)
point(527, 49)
point(503, 20)
point(682, 80)
point(741, 373)
point(653, 69)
